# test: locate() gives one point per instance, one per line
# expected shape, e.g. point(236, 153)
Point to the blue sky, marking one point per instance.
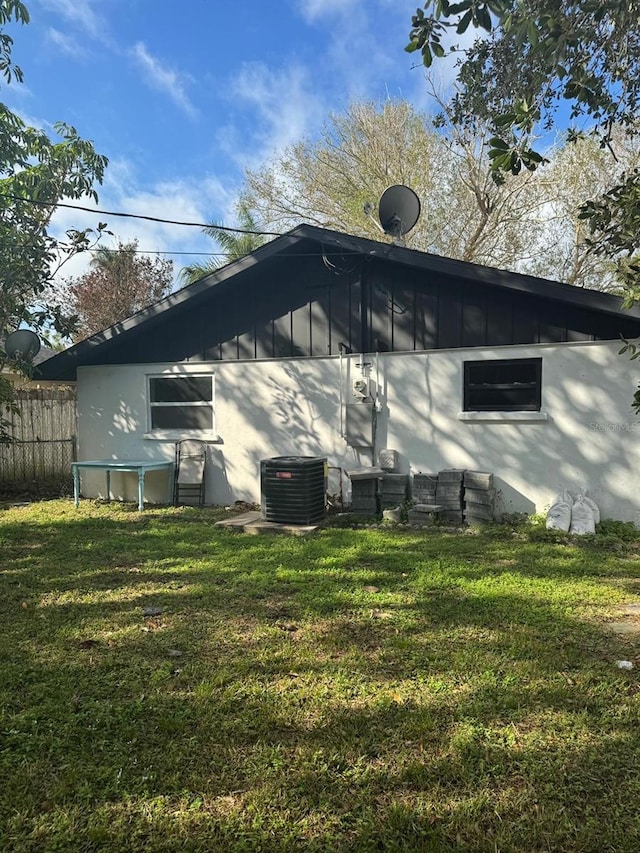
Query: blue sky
point(182, 98)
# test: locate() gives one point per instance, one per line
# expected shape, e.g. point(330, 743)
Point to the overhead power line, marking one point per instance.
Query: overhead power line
point(140, 216)
point(337, 253)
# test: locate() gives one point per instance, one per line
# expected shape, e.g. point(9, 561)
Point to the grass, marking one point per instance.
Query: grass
point(358, 690)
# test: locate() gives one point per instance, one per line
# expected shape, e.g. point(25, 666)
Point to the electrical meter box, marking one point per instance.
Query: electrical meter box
point(359, 423)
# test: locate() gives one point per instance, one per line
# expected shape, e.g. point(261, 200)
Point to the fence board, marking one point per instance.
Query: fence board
point(44, 441)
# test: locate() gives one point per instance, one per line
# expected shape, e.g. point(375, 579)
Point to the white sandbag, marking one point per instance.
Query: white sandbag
point(582, 520)
point(565, 497)
point(595, 509)
point(559, 515)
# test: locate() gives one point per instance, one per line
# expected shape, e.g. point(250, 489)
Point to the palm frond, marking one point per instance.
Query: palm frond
point(234, 244)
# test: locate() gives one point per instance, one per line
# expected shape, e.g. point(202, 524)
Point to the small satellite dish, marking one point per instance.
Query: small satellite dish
point(398, 210)
point(22, 345)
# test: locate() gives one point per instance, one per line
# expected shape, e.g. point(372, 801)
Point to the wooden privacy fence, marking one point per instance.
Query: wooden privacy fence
point(38, 460)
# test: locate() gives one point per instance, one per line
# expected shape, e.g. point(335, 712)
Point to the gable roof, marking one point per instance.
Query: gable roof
point(305, 240)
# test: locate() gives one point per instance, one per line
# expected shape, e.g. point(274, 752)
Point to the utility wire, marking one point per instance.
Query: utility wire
point(167, 222)
point(338, 253)
point(140, 216)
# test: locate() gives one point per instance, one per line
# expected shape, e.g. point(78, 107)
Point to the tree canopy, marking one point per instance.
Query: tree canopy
point(360, 152)
point(36, 173)
point(119, 283)
point(533, 58)
point(527, 223)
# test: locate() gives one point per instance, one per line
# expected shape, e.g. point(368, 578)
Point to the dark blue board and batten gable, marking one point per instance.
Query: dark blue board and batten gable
point(312, 290)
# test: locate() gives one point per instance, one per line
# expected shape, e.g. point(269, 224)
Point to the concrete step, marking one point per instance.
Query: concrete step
point(253, 523)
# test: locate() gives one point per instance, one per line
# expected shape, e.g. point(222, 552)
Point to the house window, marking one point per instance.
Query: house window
point(504, 385)
point(183, 403)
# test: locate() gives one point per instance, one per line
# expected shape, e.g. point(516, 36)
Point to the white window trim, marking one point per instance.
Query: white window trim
point(178, 434)
point(500, 417)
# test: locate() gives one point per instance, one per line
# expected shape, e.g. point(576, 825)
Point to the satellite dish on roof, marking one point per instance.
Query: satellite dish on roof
point(22, 345)
point(398, 210)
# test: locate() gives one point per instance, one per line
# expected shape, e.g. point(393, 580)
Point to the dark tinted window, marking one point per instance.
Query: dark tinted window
point(181, 417)
point(181, 402)
point(181, 389)
point(503, 385)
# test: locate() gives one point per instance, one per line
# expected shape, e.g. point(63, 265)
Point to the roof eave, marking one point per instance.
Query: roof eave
point(64, 366)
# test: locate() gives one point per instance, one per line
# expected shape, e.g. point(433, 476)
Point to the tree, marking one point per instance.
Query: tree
point(364, 150)
point(533, 58)
point(524, 223)
point(36, 173)
point(235, 245)
point(119, 283)
point(327, 182)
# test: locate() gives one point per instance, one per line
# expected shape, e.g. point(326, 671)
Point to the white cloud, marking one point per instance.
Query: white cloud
point(17, 94)
point(67, 44)
point(445, 71)
point(361, 57)
point(283, 106)
point(364, 50)
point(186, 200)
point(81, 13)
point(35, 121)
point(313, 10)
point(164, 79)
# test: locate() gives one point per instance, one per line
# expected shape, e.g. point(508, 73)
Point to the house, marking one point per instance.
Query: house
point(319, 343)
point(21, 380)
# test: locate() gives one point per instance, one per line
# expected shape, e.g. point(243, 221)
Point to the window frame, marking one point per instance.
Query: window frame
point(180, 431)
point(468, 386)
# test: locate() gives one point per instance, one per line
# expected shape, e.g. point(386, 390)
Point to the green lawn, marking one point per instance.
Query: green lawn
point(355, 690)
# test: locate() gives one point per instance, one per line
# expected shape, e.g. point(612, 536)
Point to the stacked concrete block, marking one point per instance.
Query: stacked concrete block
point(423, 490)
point(364, 497)
point(479, 497)
point(394, 489)
point(449, 495)
point(365, 490)
point(423, 515)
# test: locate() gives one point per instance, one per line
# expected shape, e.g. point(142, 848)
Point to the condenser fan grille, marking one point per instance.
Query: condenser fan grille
point(293, 489)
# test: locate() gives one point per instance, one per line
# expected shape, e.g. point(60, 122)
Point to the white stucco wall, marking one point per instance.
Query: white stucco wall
point(280, 407)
